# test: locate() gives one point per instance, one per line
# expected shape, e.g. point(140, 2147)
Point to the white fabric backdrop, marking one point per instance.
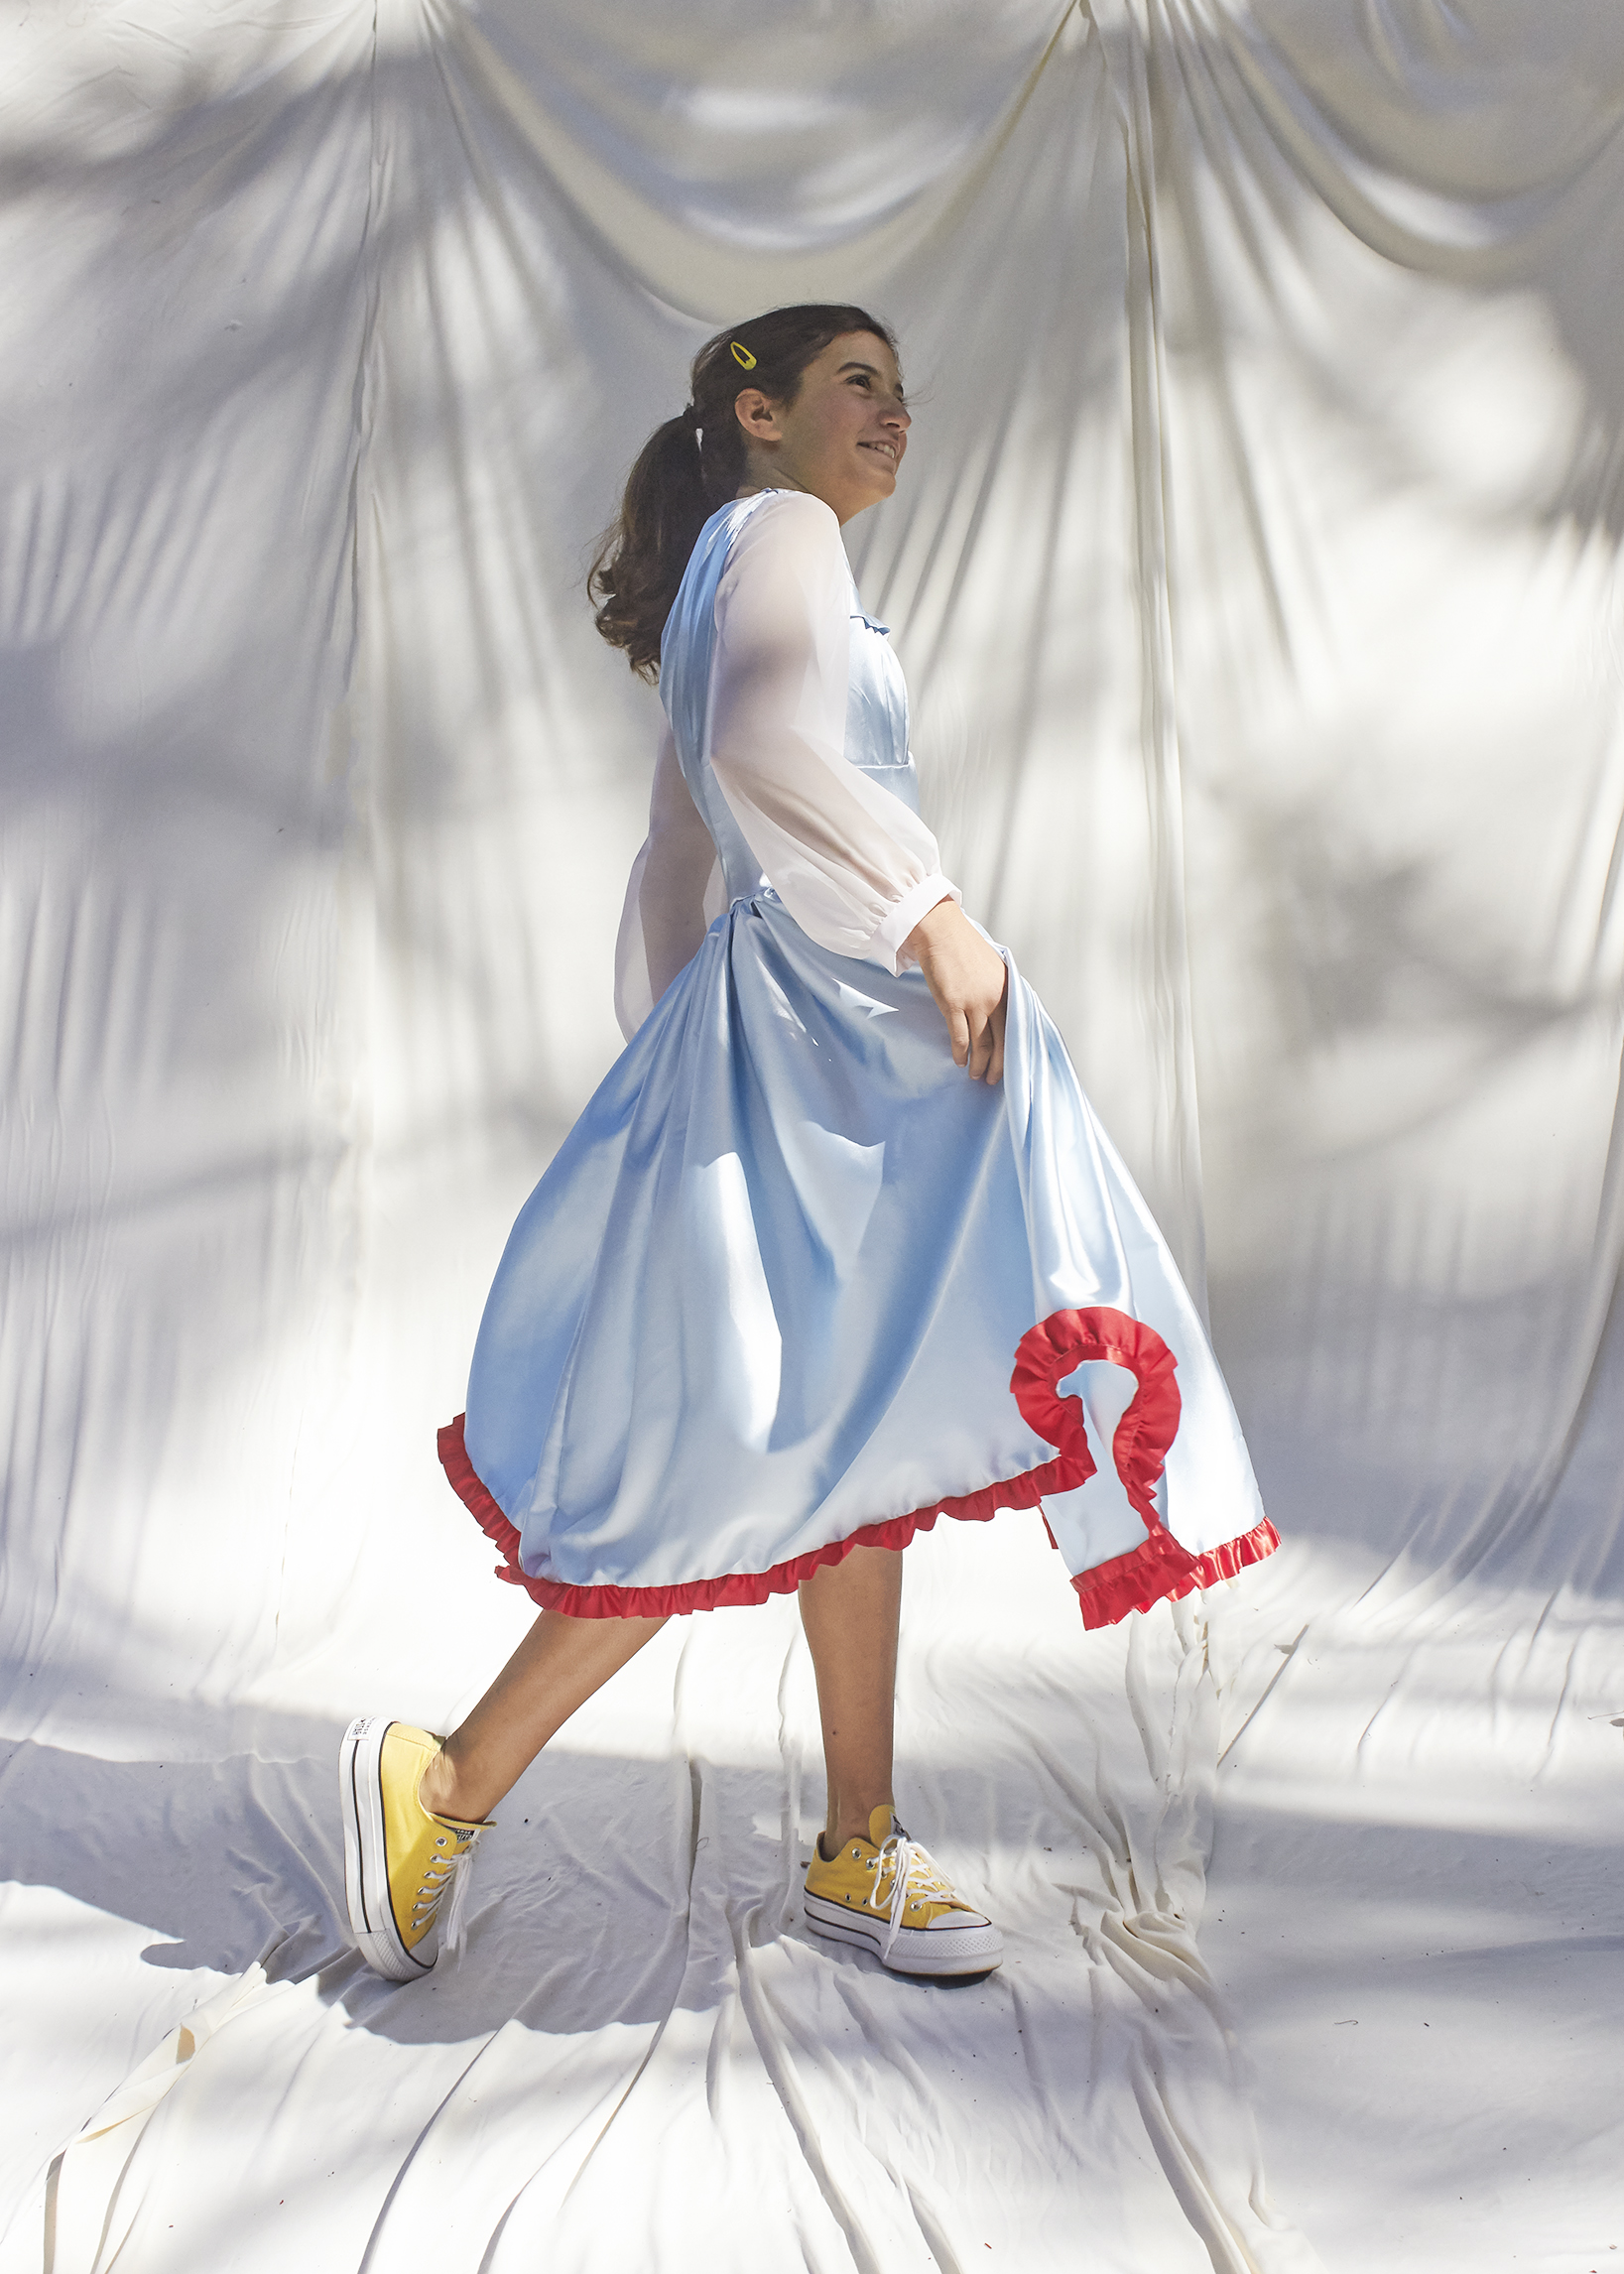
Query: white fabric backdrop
point(1255, 571)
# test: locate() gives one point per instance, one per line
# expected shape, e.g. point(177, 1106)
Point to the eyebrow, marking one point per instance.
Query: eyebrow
point(872, 369)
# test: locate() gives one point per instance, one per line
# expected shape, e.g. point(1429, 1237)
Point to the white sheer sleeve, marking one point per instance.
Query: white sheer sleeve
point(668, 898)
point(853, 865)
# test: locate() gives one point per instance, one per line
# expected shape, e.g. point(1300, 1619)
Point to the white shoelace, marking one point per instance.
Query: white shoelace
point(453, 1873)
point(916, 1871)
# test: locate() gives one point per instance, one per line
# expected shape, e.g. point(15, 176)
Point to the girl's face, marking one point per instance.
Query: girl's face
point(843, 436)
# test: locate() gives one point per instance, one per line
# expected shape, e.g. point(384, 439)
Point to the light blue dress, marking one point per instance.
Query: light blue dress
point(794, 1282)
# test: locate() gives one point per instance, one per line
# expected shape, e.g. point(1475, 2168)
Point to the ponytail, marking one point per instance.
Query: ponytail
point(695, 463)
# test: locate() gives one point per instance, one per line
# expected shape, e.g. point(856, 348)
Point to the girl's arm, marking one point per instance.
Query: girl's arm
point(853, 867)
point(858, 871)
point(663, 918)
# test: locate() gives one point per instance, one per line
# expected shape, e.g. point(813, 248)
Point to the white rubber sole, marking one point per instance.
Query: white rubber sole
point(366, 1876)
point(932, 1951)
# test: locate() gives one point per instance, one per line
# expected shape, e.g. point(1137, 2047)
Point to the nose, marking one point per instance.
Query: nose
point(898, 415)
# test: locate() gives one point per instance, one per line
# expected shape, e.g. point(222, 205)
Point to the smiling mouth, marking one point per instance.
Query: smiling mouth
point(886, 450)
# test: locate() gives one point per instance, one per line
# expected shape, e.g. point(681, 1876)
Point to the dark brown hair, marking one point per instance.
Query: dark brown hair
point(695, 463)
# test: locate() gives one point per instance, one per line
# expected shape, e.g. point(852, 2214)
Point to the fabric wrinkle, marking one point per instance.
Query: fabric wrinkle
point(1254, 568)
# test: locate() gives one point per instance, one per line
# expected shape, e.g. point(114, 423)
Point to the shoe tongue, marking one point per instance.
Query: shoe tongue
point(881, 1824)
point(460, 1824)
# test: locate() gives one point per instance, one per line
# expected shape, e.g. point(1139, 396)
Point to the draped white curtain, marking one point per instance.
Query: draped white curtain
point(1255, 569)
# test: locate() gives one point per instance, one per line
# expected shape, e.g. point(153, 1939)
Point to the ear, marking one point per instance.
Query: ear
point(756, 414)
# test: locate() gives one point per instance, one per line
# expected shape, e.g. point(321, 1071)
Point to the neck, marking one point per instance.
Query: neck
point(758, 478)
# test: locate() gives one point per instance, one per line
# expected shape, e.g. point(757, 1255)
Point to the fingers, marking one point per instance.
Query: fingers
point(995, 1068)
point(962, 969)
point(985, 1056)
point(977, 1032)
point(981, 1047)
point(987, 1061)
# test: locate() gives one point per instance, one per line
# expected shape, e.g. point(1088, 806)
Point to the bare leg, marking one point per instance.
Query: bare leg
point(557, 1667)
point(850, 1611)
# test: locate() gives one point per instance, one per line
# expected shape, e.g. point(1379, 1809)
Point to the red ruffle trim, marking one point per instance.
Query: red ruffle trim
point(1122, 1582)
point(707, 1594)
point(1159, 1568)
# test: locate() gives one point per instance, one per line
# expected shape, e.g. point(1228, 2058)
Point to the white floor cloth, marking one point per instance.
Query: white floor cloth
point(1255, 572)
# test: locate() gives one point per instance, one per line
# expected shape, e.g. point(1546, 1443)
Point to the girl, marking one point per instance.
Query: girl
point(755, 1326)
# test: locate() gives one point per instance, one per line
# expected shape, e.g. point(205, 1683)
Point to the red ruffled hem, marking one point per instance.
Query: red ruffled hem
point(1158, 1567)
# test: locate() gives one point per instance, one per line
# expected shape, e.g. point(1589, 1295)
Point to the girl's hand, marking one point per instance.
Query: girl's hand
point(971, 982)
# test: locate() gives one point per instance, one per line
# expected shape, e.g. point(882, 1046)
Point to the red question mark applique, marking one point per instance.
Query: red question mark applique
point(1055, 1347)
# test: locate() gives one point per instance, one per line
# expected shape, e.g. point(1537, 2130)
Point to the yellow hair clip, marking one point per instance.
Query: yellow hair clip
point(742, 356)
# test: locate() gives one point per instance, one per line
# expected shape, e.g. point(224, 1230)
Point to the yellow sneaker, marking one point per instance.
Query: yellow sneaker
point(399, 1860)
point(886, 1893)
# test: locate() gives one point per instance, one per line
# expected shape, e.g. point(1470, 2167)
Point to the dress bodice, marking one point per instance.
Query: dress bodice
point(876, 716)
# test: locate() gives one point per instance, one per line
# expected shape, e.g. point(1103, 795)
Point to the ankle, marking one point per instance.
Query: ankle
point(440, 1792)
point(846, 1823)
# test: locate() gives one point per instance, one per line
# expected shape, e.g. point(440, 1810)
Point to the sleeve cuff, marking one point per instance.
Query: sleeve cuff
point(886, 945)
